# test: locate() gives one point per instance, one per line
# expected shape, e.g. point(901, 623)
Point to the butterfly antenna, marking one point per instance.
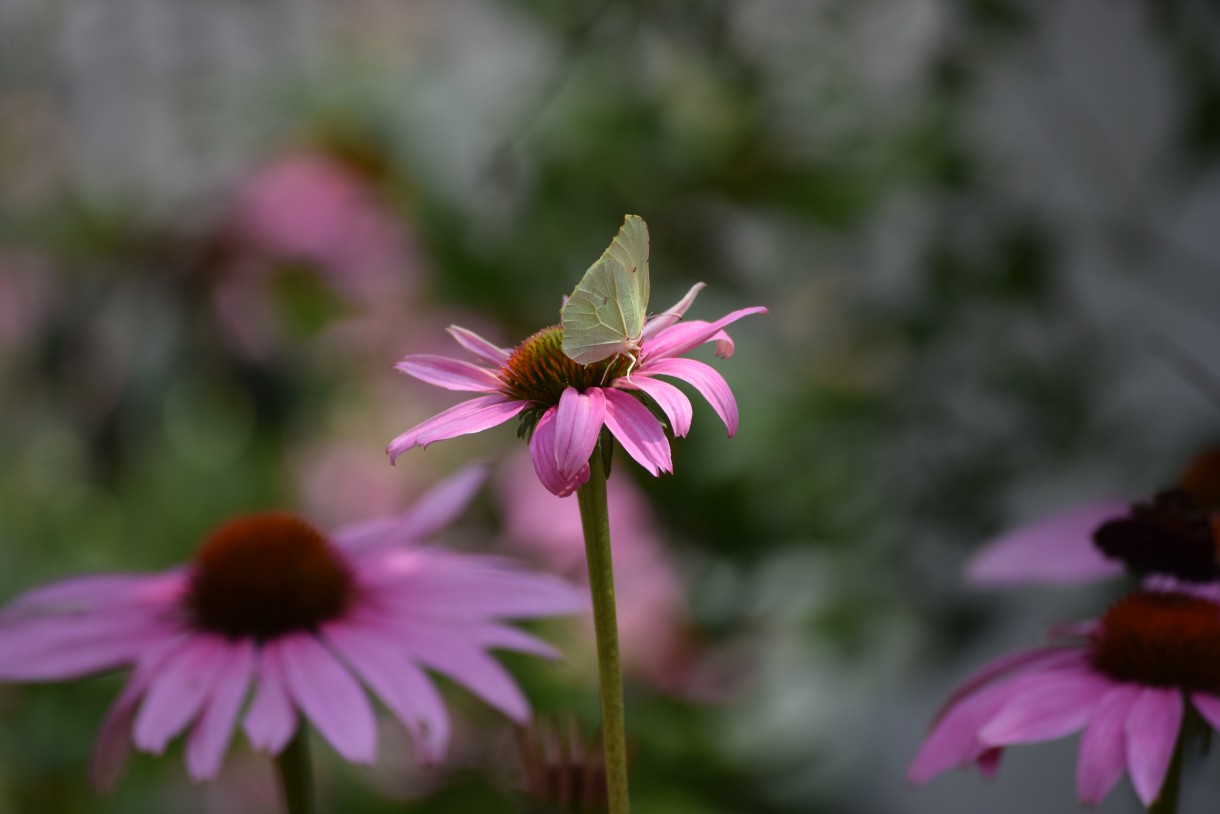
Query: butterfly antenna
point(1187, 365)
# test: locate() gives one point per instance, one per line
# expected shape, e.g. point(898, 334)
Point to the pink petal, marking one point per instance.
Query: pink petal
point(638, 431)
point(1044, 658)
point(470, 667)
point(678, 339)
point(329, 696)
point(672, 314)
point(210, 738)
point(704, 378)
point(504, 637)
point(578, 422)
point(474, 415)
point(542, 453)
point(953, 740)
point(1103, 748)
point(59, 648)
point(672, 401)
point(478, 346)
point(1208, 706)
point(99, 591)
point(451, 374)
point(402, 686)
point(271, 720)
point(113, 744)
point(1056, 549)
point(1048, 705)
point(178, 691)
point(1152, 733)
point(431, 512)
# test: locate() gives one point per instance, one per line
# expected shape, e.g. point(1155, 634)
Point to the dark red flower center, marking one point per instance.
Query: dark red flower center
point(1160, 640)
point(539, 371)
point(264, 575)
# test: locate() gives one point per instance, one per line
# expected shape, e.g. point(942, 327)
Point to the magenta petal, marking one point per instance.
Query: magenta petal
point(672, 401)
point(704, 378)
point(678, 339)
point(209, 739)
point(1015, 663)
point(271, 720)
point(638, 431)
point(1103, 747)
point(953, 740)
point(178, 691)
point(329, 696)
point(1048, 705)
point(542, 453)
point(472, 668)
point(672, 314)
point(433, 511)
point(1056, 549)
point(478, 346)
point(1208, 706)
point(504, 637)
point(402, 686)
point(97, 592)
point(113, 744)
point(61, 647)
point(578, 422)
point(451, 374)
point(1152, 733)
point(474, 415)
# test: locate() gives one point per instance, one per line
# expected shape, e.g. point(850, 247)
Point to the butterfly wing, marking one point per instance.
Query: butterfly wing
point(605, 314)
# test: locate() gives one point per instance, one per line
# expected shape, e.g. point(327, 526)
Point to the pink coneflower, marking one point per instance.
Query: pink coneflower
point(1125, 683)
point(270, 605)
point(566, 404)
point(1175, 533)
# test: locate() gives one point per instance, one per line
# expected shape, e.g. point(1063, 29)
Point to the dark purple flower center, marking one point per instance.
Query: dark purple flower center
point(539, 371)
point(1160, 640)
point(264, 575)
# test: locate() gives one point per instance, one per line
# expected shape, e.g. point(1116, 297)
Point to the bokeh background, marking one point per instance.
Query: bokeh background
point(988, 232)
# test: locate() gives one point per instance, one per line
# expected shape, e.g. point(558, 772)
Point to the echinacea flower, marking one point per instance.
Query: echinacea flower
point(1126, 683)
point(566, 404)
point(273, 607)
point(1174, 533)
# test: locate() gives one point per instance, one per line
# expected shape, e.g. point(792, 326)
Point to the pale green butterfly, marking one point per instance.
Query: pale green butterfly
point(605, 315)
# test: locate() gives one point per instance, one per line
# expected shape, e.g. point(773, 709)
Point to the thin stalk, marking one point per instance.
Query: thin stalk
point(595, 519)
point(1167, 802)
point(296, 776)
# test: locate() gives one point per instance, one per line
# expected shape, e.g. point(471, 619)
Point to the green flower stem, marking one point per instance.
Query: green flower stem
point(295, 774)
point(1167, 802)
point(595, 518)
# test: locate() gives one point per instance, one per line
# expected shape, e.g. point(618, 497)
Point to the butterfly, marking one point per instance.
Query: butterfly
point(605, 315)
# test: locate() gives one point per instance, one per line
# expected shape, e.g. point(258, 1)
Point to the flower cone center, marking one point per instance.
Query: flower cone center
point(539, 371)
point(264, 575)
point(1160, 640)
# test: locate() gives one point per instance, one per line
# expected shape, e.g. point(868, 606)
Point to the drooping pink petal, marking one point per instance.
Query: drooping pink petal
point(479, 347)
point(178, 691)
point(271, 720)
point(578, 422)
point(1103, 747)
point(953, 740)
point(638, 431)
point(678, 339)
point(704, 378)
point(451, 374)
point(1014, 663)
point(1152, 731)
point(205, 748)
point(113, 744)
point(56, 648)
point(402, 686)
point(474, 415)
point(542, 453)
point(504, 637)
point(672, 314)
point(1056, 549)
point(470, 667)
point(1049, 705)
point(98, 592)
point(329, 696)
point(672, 401)
point(1208, 706)
point(431, 512)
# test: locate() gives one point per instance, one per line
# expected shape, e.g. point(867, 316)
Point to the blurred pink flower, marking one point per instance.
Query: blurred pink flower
point(271, 603)
point(29, 287)
point(1174, 533)
point(567, 404)
point(656, 638)
point(1125, 683)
